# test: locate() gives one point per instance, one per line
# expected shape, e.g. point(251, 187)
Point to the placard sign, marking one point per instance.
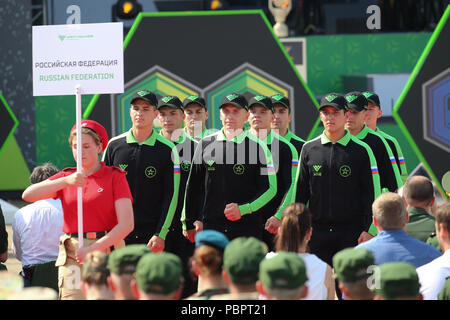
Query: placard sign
point(89, 55)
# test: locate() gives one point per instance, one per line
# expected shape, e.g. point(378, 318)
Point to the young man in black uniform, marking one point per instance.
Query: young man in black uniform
point(153, 172)
point(285, 159)
point(232, 178)
point(171, 116)
point(196, 114)
point(338, 177)
point(389, 175)
point(373, 113)
point(282, 118)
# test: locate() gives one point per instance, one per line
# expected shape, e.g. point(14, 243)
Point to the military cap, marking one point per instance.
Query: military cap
point(211, 238)
point(124, 260)
point(279, 98)
point(356, 101)
point(285, 270)
point(350, 265)
point(241, 259)
point(159, 273)
point(397, 280)
point(194, 100)
point(170, 101)
point(372, 97)
point(334, 100)
point(145, 95)
point(444, 294)
point(236, 99)
point(266, 102)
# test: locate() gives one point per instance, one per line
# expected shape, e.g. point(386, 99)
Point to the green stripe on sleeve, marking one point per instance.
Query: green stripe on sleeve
point(272, 179)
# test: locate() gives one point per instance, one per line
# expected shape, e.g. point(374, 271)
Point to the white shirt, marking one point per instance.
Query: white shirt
point(36, 231)
point(315, 270)
point(432, 276)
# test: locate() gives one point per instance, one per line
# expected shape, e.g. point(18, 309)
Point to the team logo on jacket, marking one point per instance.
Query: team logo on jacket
point(150, 172)
point(123, 167)
point(238, 169)
point(185, 166)
point(345, 171)
point(317, 172)
point(211, 165)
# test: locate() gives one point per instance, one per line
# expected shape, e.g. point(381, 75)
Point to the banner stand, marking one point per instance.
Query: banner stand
point(79, 166)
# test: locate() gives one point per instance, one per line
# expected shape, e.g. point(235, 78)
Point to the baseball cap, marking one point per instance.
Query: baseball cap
point(350, 265)
point(397, 280)
point(279, 98)
point(372, 97)
point(170, 101)
point(241, 259)
point(211, 238)
point(124, 260)
point(266, 102)
point(335, 100)
point(235, 99)
point(97, 128)
point(146, 95)
point(194, 99)
point(159, 273)
point(285, 270)
point(356, 101)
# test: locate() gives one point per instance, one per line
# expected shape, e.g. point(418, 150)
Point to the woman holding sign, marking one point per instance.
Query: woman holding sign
point(107, 206)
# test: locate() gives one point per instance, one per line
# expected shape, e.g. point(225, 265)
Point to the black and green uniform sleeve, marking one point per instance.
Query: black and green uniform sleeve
point(398, 154)
point(153, 174)
point(3, 234)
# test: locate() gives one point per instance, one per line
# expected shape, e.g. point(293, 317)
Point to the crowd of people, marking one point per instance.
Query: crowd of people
point(188, 212)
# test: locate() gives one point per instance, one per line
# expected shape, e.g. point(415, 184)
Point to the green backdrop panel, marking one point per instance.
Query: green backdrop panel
point(13, 168)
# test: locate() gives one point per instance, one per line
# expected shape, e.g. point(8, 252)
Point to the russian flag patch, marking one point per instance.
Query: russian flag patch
point(401, 160)
point(294, 163)
point(176, 169)
point(374, 170)
point(393, 160)
point(270, 168)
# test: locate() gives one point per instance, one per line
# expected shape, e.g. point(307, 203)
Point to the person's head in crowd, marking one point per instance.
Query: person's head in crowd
point(94, 140)
point(207, 260)
point(282, 114)
point(352, 268)
point(374, 111)
point(171, 116)
point(418, 191)
point(397, 281)
point(261, 115)
point(283, 277)
point(122, 266)
point(295, 230)
point(94, 276)
point(143, 110)
point(233, 112)
point(442, 225)
point(356, 115)
point(159, 276)
point(196, 114)
point(389, 212)
point(241, 260)
point(333, 109)
point(444, 294)
point(43, 172)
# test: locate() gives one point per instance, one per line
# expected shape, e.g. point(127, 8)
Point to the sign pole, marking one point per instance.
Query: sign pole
point(79, 167)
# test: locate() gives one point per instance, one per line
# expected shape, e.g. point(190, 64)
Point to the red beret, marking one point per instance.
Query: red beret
point(97, 128)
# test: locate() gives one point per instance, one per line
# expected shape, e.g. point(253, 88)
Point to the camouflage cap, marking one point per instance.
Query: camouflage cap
point(285, 270)
point(350, 265)
point(159, 273)
point(397, 280)
point(124, 260)
point(241, 259)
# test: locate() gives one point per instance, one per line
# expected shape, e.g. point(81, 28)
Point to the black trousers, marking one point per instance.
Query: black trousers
point(327, 240)
point(255, 231)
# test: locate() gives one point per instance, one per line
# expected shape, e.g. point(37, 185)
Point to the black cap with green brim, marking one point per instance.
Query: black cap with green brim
point(372, 97)
point(145, 95)
point(278, 98)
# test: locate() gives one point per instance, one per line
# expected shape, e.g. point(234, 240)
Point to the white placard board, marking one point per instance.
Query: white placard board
point(89, 55)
